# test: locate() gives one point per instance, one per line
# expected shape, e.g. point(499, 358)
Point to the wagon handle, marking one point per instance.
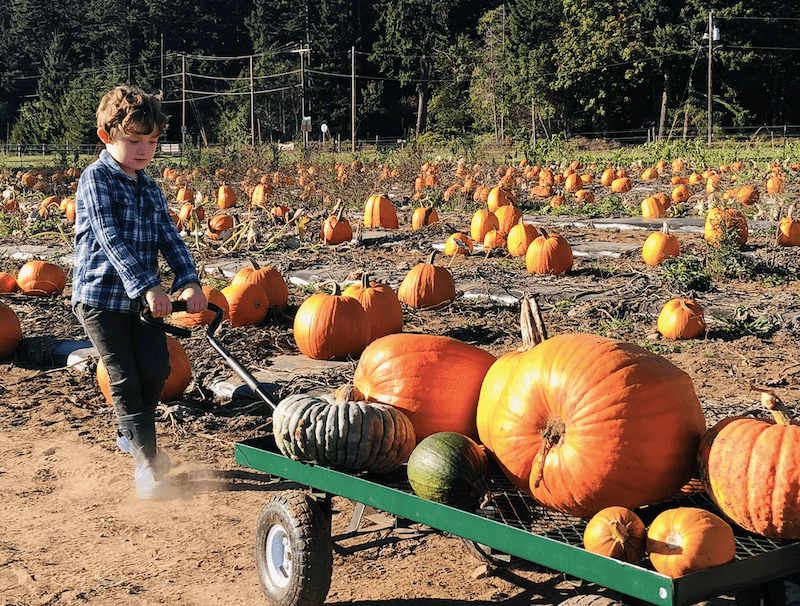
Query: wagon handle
point(146, 317)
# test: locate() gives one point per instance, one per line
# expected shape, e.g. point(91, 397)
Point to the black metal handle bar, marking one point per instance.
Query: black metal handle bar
point(146, 317)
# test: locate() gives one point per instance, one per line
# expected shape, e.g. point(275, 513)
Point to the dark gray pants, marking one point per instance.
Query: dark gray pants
point(135, 356)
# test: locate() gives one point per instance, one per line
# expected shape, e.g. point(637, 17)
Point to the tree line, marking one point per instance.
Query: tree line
point(244, 70)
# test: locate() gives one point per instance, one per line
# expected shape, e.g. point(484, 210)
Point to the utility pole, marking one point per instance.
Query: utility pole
point(303, 122)
point(353, 99)
point(710, 49)
point(252, 107)
point(183, 100)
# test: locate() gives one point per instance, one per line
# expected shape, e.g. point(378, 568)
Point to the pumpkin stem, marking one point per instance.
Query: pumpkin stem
point(337, 290)
point(531, 324)
point(771, 401)
point(365, 280)
point(429, 260)
point(665, 228)
point(253, 263)
point(619, 532)
point(551, 436)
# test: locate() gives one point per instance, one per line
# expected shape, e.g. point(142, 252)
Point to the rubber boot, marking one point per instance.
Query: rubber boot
point(140, 431)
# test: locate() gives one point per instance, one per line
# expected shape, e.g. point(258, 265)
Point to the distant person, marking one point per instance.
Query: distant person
point(121, 226)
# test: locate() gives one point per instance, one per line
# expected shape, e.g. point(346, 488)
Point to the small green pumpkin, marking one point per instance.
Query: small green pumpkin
point(450, 468)
point(334, 431)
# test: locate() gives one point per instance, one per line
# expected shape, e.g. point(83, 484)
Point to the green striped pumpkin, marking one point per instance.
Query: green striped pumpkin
point(334, 431)
point(450, 468)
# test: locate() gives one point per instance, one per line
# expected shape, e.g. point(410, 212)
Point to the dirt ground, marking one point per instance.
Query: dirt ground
point(73, 532)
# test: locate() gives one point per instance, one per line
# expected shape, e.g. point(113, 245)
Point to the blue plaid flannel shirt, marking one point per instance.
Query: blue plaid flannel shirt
point(120, 227)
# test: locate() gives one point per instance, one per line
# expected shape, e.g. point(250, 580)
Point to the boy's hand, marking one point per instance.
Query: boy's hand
point(195, 298)
point(158, 302)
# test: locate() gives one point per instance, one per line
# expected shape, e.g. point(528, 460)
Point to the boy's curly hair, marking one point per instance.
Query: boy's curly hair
point(132, 110)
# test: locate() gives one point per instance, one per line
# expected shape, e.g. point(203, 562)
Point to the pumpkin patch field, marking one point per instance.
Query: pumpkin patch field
point(406, 282)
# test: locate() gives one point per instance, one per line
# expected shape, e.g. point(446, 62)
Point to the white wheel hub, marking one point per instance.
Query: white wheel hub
point(279, 556)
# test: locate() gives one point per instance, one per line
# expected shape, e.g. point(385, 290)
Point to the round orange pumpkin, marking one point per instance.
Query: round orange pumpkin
point(483, 221)
point(427, 286)
point(724, 223)
point(458, 244)
point(549, 254)
point(748, 467)
point(379, 212)
point(681, 318)
point(687, 539)
point(499, 196)
point(422, 216)
point(660, 245)
point(41, 278)
point(616, 532)
point(180, 373)
point(268, 278)
point(10, 330)
point(520, 237)
point(226, 198)
point(434, 380)
point(788, 230)
point(248, 303)
point(336, 228)
point(381, 304)
point(507, 217)
point(331, 326)
point(8, 283)
point(582, 422)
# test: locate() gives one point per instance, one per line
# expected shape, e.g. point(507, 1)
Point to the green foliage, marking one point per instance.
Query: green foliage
point(745, 322)
point(685, 272)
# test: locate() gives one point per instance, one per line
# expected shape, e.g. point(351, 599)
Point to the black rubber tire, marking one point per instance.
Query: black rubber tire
point(294, 551)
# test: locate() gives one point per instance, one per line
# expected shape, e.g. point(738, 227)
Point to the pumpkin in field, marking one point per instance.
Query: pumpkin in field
point(205, 317)
point(184, 195)
point(520, 237)
point(608, 176)
point(180, 374)
point(616, 532)
point(261, 195)
point(582, 422)
point(660, 245)
point(331, 326)
point(499, 196)
point(652, 208)
point(41, 278)
point(379, 212)
point(336, 228)
point(8, 283)
point(681, 193)
point(482, 222)
point(493, 239)
point(725, 224)
point(747, 195)
point(681, 318)
point(573, 182)
point(423, 216)
point(450, 468)
point(507, 217)
point(334, 431)
point(248, 303)
point(434, 379)
point(458, 244)
point(621, 185)
point(10, 330)
point(218, 226)
point(687, 539)
point(427, 286)
point(381, 304)
point(226, 198)
point(268, 278)
point(788, 230)
point(549, 254)
point(748, 466)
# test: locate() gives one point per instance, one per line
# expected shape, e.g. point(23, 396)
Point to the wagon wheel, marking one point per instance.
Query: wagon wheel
point(294, 551)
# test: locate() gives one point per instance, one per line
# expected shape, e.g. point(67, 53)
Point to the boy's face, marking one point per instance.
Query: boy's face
point(130, 150)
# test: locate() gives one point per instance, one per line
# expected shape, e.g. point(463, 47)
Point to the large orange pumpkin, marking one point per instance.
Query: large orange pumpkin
point(788, 230)
point(660, 245)
point(10, 330)
point(180, 373)
point(582, 422)
point(483, 221)
point(520, 237)
point(336, 228)
point(268, 278)
point(381, 304)
point(549, 254)
point(8, 283)
point(248, 303)
point(681, 318)
point(427, 286)
point(507, 217)
point(331, 326)
point(499, 196)
point(687, 539)
point(41, 278)
point(434, 380)
point(724, 223)
point(379, 212)
point(749, 468)
point(226, 198)
point(422, 216)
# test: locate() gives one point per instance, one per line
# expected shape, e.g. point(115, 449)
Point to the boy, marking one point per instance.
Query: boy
point(122, 223)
